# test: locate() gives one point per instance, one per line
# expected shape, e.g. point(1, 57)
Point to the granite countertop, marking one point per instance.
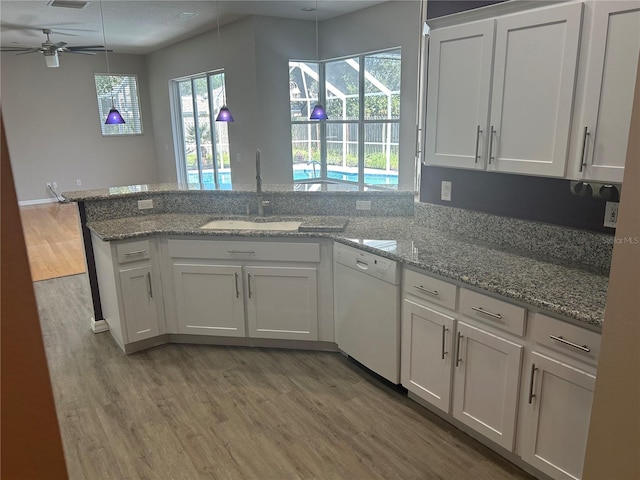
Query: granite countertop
point(142, 190)
point(567, 291)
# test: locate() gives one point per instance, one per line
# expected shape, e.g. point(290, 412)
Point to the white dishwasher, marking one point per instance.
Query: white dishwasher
point(367, 309)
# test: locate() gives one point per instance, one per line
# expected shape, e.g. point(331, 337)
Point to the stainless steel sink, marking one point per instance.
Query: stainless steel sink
point(263, 224)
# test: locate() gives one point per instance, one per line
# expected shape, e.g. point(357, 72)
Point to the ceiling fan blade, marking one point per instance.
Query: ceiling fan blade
point(85, 47)
point(17, 49)
point(83, 52)
point(34, 50)
point(25, 45)
point(59, 44)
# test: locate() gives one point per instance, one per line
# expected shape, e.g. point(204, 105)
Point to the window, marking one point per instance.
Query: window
point(359, 142)
point(202, 144)
point(121, 91)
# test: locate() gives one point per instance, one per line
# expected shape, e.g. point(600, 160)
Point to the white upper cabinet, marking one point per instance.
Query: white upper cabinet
point(609, 59)
point(500, 92)
point(458, 94)
point(536, 56)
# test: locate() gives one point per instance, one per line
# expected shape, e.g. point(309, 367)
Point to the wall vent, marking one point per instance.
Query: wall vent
point(67, 3)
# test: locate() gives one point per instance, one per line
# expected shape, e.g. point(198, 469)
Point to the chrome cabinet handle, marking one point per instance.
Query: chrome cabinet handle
point(478, 132)
point(236, 279)
point(444, 332)
point(584, 348)
point(458, 359)
point(426, 290)
point(136, 252)
point(491, 134)
point(248, 252)
point(584, 148)
point(531, 379)
point(249, 283)
point(486, 312)
point(150, 285)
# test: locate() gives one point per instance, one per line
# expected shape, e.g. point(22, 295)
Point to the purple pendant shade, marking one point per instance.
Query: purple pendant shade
point(224, 115)
point(318, 113)
point(114, 117)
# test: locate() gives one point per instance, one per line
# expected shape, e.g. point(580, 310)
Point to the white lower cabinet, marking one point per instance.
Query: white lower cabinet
point(225, 288)
point(486, 383)
point(209, 299)
point(555, 416)
point(282, 302)
point(139, 301)
point(427, 353)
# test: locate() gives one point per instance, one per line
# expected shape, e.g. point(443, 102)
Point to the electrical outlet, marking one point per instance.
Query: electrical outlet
point(445, 191)
point(363, 204)
point(145, 204)
point(78, 182)
point(611, 214)
point(52, 184)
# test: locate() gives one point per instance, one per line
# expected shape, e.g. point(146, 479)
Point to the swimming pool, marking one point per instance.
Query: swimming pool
point(390, 179)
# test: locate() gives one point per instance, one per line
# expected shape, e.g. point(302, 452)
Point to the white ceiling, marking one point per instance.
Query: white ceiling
point(142, 26)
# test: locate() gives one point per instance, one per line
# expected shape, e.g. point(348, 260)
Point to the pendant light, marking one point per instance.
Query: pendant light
point(113, 117)
point(318, 112)
point(224, 115)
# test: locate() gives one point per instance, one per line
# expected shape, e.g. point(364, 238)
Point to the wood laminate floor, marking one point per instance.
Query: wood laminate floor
point(203, 412)
point(52, 235)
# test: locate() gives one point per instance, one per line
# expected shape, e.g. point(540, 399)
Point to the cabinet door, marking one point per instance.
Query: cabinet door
point(486, 381)
point(282, 302)
point(140, 309)
point(610, 78)
point(556, 417)
point(427, 339)
point(533, 85)
point(209, 299)
point(459, 79)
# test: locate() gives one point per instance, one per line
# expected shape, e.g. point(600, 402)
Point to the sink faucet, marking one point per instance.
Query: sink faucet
point(261, 201)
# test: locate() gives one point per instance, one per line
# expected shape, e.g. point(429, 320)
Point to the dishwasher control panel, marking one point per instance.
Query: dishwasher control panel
point(367, 263)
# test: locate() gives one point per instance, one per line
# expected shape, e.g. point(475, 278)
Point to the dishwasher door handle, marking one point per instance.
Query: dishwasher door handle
point(362, 265)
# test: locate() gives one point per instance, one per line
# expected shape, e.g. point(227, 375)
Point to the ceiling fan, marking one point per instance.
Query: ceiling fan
point(51, 50)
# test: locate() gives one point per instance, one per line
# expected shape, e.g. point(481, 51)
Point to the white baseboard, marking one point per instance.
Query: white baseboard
point(99, 326)
point(38, 201)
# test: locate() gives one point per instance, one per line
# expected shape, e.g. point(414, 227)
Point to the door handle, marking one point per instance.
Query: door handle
point(458, 359)
point(478, 132)
point(236, 279)
point(444, 333)
point(533, 373)
point(491, 135)
point(584, 148)
point(249, 283)
point(149, 284)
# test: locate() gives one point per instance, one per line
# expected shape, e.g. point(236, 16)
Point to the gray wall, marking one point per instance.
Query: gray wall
point(391, 24)
point(254, 54)
point(53, 132)
point(53, 129)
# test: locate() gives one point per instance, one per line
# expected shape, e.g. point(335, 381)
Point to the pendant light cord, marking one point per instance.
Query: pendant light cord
point(224, 96)
point(316, 12)
point(106, 53)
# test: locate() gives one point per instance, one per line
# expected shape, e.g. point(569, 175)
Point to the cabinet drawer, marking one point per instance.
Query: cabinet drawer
point(430, 289)
point(241, 251)
point(564, 337)
point(133, 251)
point(492, 311)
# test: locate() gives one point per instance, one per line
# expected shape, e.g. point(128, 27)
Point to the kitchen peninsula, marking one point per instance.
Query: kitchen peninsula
point(521, 301)
point(573, 288)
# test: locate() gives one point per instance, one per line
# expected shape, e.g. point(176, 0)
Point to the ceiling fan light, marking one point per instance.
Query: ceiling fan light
point(52, 59)
point(114, 117)
point(318, 113)
point(224, 115)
